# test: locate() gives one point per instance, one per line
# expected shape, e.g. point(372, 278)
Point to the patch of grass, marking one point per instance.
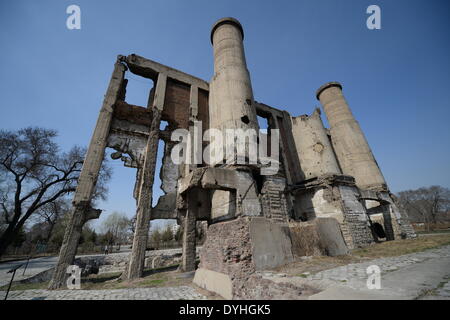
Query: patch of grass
point(401, 247)
point(16, 286)
point(153, 282)
point(302, 275)
point(150, 279)
point(434, 231)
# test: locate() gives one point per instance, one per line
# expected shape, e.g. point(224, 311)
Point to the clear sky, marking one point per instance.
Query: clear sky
point(396, 79)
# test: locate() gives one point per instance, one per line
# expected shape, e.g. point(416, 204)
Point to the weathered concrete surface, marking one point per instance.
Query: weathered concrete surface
point(314, 149)
point(189, 240)
point(228, 250)
point(82, 210)
point(331, 237)
point(145, 196)
point(274, 199)
point(236, 249)
point(335, 198)
point(352, 149)
point(271, 243)
point(166, 207)
point(213, 281)
point(224, 205)
point(402, 228)
point(320, 236)
point(231, 100)
point(240, 180)
point(356, 226)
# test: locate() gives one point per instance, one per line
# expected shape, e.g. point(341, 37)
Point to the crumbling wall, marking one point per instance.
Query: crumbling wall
point(228, 251)
point(176, 104)
point(305, 239)
point(355, 217)
point(321, 236)
point(402, 228)
point(236, 249)
point(273, 199)
point(340, 202)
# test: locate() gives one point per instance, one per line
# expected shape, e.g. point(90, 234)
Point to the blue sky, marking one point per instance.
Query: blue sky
point(396, 79)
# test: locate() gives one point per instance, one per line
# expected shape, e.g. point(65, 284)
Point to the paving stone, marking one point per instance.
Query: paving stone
point(170, 293)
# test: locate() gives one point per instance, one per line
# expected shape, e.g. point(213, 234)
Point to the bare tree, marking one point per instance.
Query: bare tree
point(117, 226)
point(428, 205)
point(51, 213)
point(35, 174)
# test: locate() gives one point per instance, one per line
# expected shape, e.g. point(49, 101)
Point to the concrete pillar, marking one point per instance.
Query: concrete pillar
point(352, 149)
point(231, 102)
point(189, 241)
point(314, 149)
point(145, 196)
point(82, 210)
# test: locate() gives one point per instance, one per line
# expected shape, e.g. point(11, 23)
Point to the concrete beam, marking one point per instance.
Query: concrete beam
point(150, 69)
point(82, 210)
point(189, 241)
point(96, 150)
point(145, 195)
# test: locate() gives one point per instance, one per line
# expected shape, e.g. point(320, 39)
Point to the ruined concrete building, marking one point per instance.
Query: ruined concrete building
point(328, 195)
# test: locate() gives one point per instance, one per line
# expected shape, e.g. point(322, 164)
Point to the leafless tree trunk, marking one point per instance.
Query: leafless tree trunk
point(35, 175)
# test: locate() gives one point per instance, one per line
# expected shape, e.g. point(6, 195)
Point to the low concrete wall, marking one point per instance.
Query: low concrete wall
point(331, 236)
point(321, 236)
point(271, 243)
point(216, 282)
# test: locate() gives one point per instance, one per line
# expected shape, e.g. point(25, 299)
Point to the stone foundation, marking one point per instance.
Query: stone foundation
point(236, 249)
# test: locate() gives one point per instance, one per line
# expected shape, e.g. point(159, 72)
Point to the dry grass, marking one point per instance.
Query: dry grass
point(432, 227)
point(25, 286)
point(111, 281)
point(316, 264)
point(400, 247)
point(163, 277)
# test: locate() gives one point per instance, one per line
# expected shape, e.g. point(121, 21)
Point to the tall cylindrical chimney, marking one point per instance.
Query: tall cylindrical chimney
point(352, 149)
point(314, 149)
point(231, 97)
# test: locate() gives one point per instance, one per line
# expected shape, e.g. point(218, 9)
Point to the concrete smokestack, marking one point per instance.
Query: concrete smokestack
point(314, 149)
point(231, 101)
point(352, 149)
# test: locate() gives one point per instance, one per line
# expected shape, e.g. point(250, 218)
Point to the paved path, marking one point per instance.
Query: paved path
point(165, 293)
point(423, 275)
point(38, 265)
point(35, 266)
